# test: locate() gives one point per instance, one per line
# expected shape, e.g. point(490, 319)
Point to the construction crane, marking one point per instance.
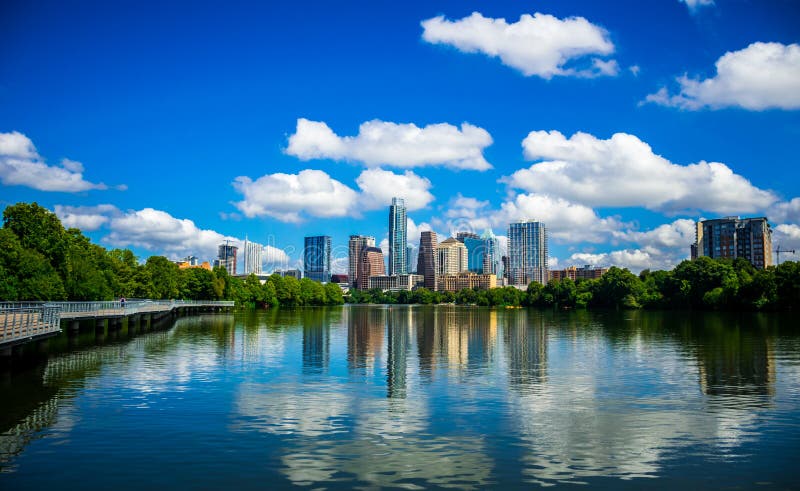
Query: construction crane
point(778, 252)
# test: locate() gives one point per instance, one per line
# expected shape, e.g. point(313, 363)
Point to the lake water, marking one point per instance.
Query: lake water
point(412, 397)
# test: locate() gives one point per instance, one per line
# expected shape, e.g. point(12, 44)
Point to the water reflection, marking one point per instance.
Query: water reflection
point(458, 397)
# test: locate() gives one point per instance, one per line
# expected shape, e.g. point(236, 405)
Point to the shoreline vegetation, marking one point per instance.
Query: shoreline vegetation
point(41, 260)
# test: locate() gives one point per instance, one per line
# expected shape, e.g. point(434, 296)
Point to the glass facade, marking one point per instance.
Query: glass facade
point(317, 258)
point(527, 252)
point(398, 240)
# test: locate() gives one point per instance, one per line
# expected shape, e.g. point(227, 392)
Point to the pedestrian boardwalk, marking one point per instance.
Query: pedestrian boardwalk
point(21, 322)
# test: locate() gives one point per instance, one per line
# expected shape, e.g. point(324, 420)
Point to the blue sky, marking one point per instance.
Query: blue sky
point(168, 128)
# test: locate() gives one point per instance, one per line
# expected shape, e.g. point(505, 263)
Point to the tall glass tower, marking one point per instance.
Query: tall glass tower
point(397, 237)
point(527, 252)
point(317, 258)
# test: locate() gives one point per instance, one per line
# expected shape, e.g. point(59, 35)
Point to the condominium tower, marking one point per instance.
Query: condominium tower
point(226, 257)
point(317, 258)
point(252, 257)
point(397, 237)
point(354, 247)
point(370, 264)
point(453, 257)
point(527, 252)
point(732, 237)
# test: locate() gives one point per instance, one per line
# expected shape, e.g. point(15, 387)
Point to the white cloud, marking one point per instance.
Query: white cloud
point(758, 77)
point(540, 45)
point(380, 186)
point(623, 171)
point(391, 144)
point(289, 197)
point(679, 234)
point(413, 232)
point(157, 230)
point(694, 5)
point(85, 218)
point(633, 259)
point(160, 232)
point(788, 211)
point(787, 236)
point(21, 165)
point(465, 207)
point(566, 222)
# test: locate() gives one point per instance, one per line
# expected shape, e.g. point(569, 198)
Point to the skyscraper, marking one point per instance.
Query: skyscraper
point(452, 257)
point(427, 259)
point(252, 257)
point(476, 250)
point(317, 258)
point(354, 247)
point(527, 252)
point(397, 237)
point(370, 263)
point(492, 252)
point(732, 237)
point(226, 257)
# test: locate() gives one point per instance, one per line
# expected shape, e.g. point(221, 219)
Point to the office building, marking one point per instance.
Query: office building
point(397, 237)
point(468, 280)
point(252, 257)
point(586, 272)
point(317, 258)
point(293, 273)
point(452, 257)
point(354, 247)
point(396, 282)
point(527, 252)
point(732, 237)
point(226, 257)
point(476, 250)
point(428, 259)
point(370, 264)
point(491, 257)
point(411, 259)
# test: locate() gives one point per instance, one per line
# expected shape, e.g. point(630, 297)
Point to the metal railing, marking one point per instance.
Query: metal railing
point(28, 322)
point(25, 320)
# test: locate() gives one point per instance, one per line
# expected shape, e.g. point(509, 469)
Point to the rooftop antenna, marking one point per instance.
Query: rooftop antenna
point(778, 253)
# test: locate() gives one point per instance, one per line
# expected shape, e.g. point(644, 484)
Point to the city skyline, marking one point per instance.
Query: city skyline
point(279, 122)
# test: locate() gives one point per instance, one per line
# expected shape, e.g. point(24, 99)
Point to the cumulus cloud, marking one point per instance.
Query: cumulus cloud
point(695, 5)
point(381, 143)
point(160, 232)
point(679, 234)
point(85, 218)
point(21, 165)
point(378, 187)
point(758, 77)
point(290, 197)
point(634, 259)
point(566, 222)
point(540, 45)
point(465, 207)
point(787, 236)
point(788, 211)
point(623, 171)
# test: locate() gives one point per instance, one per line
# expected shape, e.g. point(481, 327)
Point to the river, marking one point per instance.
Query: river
point(412, 397)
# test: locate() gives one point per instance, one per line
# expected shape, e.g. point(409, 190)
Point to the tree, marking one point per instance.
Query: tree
point(163, 277)
point(38, 229)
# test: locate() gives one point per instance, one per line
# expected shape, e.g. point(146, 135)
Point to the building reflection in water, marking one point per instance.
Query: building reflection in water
point(525, 341)
point(316, 344)
point(397, 345)
point(365, 329)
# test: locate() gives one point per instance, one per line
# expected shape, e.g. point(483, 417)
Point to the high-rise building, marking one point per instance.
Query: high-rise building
point(427, 258)
point(317, 258)
point(354, 247)
point(226, 257)
point(370, 264)
point(476, 250)
point(492, 256)
point(732, 237)
point(527, 252)
point(452, 257)
point(397, 237)
point(252, 257)
point(411, 260)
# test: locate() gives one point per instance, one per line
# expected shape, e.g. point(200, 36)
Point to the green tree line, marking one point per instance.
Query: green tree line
point(41, 260)
point(705, 283)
